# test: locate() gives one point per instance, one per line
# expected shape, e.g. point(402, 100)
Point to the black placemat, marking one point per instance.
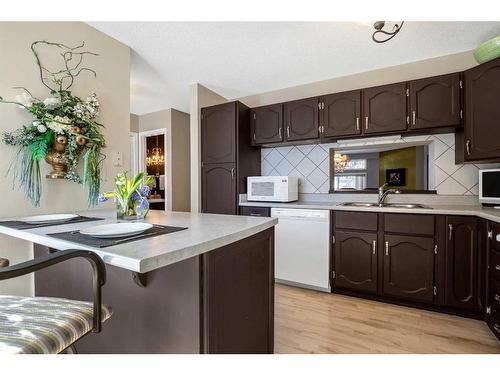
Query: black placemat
point(83, 239)
point(21, 225)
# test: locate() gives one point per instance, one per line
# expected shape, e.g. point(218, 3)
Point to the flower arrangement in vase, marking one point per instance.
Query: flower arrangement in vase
point(131, 195)
point(64, 128)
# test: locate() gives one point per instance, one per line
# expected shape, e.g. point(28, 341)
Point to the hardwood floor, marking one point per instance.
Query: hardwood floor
point(316, 322)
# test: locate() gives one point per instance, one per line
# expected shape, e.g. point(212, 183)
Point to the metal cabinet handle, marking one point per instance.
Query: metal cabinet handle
point(279, 132)
point(232, 172)
point(496, 327)
point(366, 122)
point(386, 248)
point(497, 267)
point(357, 123)
point(467, 146)
point(288, 131)
point(497, 298)
point(450, 231)
point(374, 247)
point(254, 214)
point(413, 117)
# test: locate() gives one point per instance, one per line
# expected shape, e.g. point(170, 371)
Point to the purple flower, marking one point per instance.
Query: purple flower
point(145, 190)
point(102, 198)
point(135, 196)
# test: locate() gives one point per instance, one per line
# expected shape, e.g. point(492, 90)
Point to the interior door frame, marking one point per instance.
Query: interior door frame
point(134, 161)
point(142, 158)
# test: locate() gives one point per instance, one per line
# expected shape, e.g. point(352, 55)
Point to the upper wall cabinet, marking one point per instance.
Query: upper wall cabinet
point(384, 109)
point(481, 138)
point(341, 114)
point(267, 124)
point(435, 102)
point(218, 134)
point(301, 119)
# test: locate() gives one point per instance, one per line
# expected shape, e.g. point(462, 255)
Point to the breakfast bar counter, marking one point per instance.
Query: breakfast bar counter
point(206, 289)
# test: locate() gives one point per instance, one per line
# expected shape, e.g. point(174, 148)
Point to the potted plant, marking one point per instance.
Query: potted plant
point(131, 195)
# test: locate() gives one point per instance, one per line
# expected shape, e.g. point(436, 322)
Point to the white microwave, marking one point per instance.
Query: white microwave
point(489, 186)
point(273, 188)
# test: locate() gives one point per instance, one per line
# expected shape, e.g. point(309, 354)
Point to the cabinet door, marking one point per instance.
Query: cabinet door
point(301, 119)
point(219, 189)
point(267, 124)
point(384, 108)
point(435, 102)
point(355, 257)
point(482, 112)
point(461, 263)
point(341, 115)
point(218, 134)
point(409, 267)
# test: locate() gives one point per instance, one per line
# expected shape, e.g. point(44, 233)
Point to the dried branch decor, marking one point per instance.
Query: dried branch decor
point(64, 127)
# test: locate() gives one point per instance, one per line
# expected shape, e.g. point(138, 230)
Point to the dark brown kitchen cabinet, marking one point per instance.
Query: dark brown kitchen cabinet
point(255, 211)
point(218, 134)
point(481, 134)
point(384, 109)
point(355, 261)
point(219, 188)
point(341, 114)
point(227, 158)
point(409, 267)
point(267, 124)
point(301, 119)
point(462, 263)
point(435, 102)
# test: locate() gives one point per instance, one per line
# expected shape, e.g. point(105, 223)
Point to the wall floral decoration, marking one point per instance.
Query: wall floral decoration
point(64, 129)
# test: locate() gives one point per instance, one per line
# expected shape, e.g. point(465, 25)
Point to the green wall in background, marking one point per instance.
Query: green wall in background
point(402, 158)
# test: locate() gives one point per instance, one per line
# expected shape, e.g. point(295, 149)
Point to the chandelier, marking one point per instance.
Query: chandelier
point(155, 157)
point(340, 162)
point(382, 36)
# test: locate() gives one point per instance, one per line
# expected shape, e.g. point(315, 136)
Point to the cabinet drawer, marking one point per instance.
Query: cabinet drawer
point(255, 211)
point(495, 244)
point(495, 265)
point(495, 293)
point(409, 224)
point(356, 220)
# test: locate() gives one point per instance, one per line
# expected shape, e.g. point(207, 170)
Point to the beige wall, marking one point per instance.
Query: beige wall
point(134, 123)
point(175, 124)
point(200, 97)
point(112, 85)
point(420, 69)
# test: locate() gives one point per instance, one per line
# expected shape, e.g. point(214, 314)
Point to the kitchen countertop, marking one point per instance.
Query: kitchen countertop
point(488, 213)
point(205, 232)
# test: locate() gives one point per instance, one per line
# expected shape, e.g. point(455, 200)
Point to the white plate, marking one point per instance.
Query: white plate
point(116, 230)
point(46, 219)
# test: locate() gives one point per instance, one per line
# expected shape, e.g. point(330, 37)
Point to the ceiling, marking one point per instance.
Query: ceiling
point(237, 59)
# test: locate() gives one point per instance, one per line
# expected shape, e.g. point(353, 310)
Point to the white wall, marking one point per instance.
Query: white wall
point(112, 85)
point(200, 97)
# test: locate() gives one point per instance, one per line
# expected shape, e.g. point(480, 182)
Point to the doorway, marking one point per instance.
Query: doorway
point(152, 160)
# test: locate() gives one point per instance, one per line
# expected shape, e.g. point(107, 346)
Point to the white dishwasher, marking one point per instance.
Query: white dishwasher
point(302, 247)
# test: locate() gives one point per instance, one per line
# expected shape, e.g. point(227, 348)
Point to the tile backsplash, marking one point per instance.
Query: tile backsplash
point(312, 165)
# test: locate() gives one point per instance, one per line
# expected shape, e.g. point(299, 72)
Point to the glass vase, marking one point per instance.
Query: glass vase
point(133, 210)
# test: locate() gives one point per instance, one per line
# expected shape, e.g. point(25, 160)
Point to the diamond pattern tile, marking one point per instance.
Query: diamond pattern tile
point(312, 165)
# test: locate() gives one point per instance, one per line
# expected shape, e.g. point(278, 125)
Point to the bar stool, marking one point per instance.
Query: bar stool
point(47, 325)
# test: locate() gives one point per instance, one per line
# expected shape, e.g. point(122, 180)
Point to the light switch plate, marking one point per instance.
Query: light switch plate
point(117, 159)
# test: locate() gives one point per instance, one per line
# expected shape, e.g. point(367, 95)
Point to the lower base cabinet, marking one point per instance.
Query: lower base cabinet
point(356, 261)
point(409, 267)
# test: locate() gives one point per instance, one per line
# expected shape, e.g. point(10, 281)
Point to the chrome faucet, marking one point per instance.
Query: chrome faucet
point(382, 194)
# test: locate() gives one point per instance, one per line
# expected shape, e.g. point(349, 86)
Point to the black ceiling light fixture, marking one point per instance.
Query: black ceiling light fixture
point(382, 36)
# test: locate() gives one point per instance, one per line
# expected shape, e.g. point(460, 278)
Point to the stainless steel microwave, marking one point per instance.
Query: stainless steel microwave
point(489, 186)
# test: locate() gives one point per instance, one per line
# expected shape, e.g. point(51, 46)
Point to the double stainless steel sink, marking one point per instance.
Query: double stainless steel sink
point(389, 205)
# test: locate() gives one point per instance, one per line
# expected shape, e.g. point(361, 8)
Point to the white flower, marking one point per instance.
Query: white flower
point(25, 99)
point(36, 123)
point(41, 128)
point(52, 102)
point(60, 124)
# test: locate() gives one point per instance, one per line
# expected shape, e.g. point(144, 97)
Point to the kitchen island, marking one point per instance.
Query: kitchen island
point(206, 289)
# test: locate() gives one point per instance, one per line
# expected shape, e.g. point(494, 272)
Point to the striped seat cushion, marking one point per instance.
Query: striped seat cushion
point(36, 325)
